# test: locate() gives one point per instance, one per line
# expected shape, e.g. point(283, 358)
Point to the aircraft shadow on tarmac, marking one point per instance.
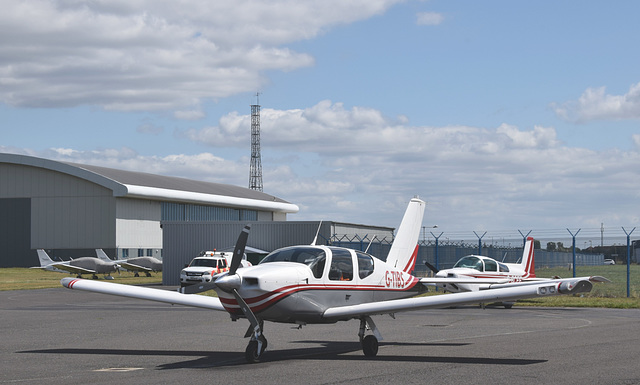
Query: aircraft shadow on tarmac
point(329, 350)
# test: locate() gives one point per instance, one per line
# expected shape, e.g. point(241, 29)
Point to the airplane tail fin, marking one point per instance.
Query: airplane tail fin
point(103, 256)
point(528, 263)
point(404, 249)
point(44, 258)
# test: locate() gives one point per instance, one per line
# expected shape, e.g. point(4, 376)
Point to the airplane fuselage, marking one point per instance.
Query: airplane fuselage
point(297, 284)
point(94, 264)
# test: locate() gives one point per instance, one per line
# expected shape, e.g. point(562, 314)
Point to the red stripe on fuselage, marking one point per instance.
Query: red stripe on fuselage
point(231, 305)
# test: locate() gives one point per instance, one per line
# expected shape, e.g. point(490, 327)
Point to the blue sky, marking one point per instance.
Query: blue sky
point(502, 115)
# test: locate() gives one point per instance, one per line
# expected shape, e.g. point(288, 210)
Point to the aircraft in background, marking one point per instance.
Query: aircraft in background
point(312, 284)
point(477, 272)
point(79, 266)
point(136, 264)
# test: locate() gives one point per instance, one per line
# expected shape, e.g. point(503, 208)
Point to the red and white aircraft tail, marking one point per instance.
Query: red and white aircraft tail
point(404, 249)
point(528, 263)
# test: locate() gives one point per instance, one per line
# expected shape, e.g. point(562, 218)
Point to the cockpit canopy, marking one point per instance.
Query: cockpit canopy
point(341, 266)
point(481, 264)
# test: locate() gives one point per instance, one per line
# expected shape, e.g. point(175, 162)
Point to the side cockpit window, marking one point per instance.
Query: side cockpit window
point(490, 265)
point(341, 265)
point(365, 264)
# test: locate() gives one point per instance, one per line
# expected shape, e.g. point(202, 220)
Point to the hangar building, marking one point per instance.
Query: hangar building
point(71, 209)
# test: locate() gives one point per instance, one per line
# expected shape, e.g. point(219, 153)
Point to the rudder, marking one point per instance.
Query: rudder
point(44, 258)
point(404, 249)
point(528, 263)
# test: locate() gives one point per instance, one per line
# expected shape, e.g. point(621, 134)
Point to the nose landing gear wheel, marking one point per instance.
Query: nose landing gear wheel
point(253, 352)
point(370, 346)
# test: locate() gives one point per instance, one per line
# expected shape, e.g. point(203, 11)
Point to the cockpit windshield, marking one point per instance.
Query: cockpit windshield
point(470, 262)
point(311, 256)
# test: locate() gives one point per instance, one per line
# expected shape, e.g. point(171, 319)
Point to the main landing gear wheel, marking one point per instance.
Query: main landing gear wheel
point(253, 352)
point(370, 346)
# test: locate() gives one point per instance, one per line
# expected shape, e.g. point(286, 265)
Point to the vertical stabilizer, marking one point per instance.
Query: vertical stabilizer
point(404, 250)
point(44, 258)
point(102, 255)
point(528, 264)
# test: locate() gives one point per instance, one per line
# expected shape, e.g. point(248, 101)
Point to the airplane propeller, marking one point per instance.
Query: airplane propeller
point(230, 283)
point(431, 267)
point(227, 281)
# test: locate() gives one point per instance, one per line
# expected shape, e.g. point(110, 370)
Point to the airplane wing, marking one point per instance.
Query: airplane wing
point(503, 294)
point(430, 281)
point(70, 268)
point(132, 266)
point(172, 297)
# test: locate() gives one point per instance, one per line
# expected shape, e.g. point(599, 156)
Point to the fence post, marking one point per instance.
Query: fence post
point(437, 238)
point(628, 259)
point(574, 250)
point(524, 238)
point(480, 241)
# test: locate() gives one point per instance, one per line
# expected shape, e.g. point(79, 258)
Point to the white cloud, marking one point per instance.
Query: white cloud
point(429, 18)
point(189, 114)
point(156, 55)
point(596, 104)
point(476, 177)
point(356, 165)
point(202, 166)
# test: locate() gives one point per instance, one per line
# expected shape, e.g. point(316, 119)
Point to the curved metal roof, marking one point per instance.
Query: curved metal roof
point(157, 187)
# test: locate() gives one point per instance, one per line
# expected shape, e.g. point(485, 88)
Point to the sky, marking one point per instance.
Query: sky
point(501, 115)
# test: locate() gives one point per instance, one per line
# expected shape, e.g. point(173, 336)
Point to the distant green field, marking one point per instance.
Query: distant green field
point(23, 278)
point(610, 295)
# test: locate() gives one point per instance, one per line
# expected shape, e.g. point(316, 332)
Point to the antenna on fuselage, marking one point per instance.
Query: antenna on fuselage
point(370, 242)
point(315, 239)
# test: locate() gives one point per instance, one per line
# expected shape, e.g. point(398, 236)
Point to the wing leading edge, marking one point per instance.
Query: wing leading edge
point(506, 294)
point(70, 268)
point(172, 297)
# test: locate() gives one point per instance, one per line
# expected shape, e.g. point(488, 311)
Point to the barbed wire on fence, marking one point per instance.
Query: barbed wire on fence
point(450, 250)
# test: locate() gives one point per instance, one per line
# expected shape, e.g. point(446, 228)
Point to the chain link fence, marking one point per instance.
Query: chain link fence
point(445, 254)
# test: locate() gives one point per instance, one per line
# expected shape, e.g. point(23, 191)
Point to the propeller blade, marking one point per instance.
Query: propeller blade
point(238, 252)
point(431, 267)
point(246, 310)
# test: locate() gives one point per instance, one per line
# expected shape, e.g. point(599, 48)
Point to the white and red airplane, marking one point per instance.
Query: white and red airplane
point(477, 272)
point(323, 284)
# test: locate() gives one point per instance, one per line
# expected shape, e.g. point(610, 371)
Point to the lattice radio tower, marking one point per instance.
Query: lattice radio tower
point(255, 171)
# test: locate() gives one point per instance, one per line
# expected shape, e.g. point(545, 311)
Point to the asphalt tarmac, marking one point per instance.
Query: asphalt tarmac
point(61, 336)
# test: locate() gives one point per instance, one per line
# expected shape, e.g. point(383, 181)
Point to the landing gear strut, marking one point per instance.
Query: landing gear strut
point(258, 342)
point(370, 342)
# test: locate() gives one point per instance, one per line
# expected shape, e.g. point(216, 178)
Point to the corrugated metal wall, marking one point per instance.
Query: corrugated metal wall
point(66, 212)
point(184, 240)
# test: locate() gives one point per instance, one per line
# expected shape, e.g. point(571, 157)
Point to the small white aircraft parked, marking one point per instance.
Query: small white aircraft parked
point(79, 266)
point(477, 272)
point(135, 264)
point(323, 284)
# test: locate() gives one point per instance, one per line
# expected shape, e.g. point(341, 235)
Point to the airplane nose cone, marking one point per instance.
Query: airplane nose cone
point(229, 282)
